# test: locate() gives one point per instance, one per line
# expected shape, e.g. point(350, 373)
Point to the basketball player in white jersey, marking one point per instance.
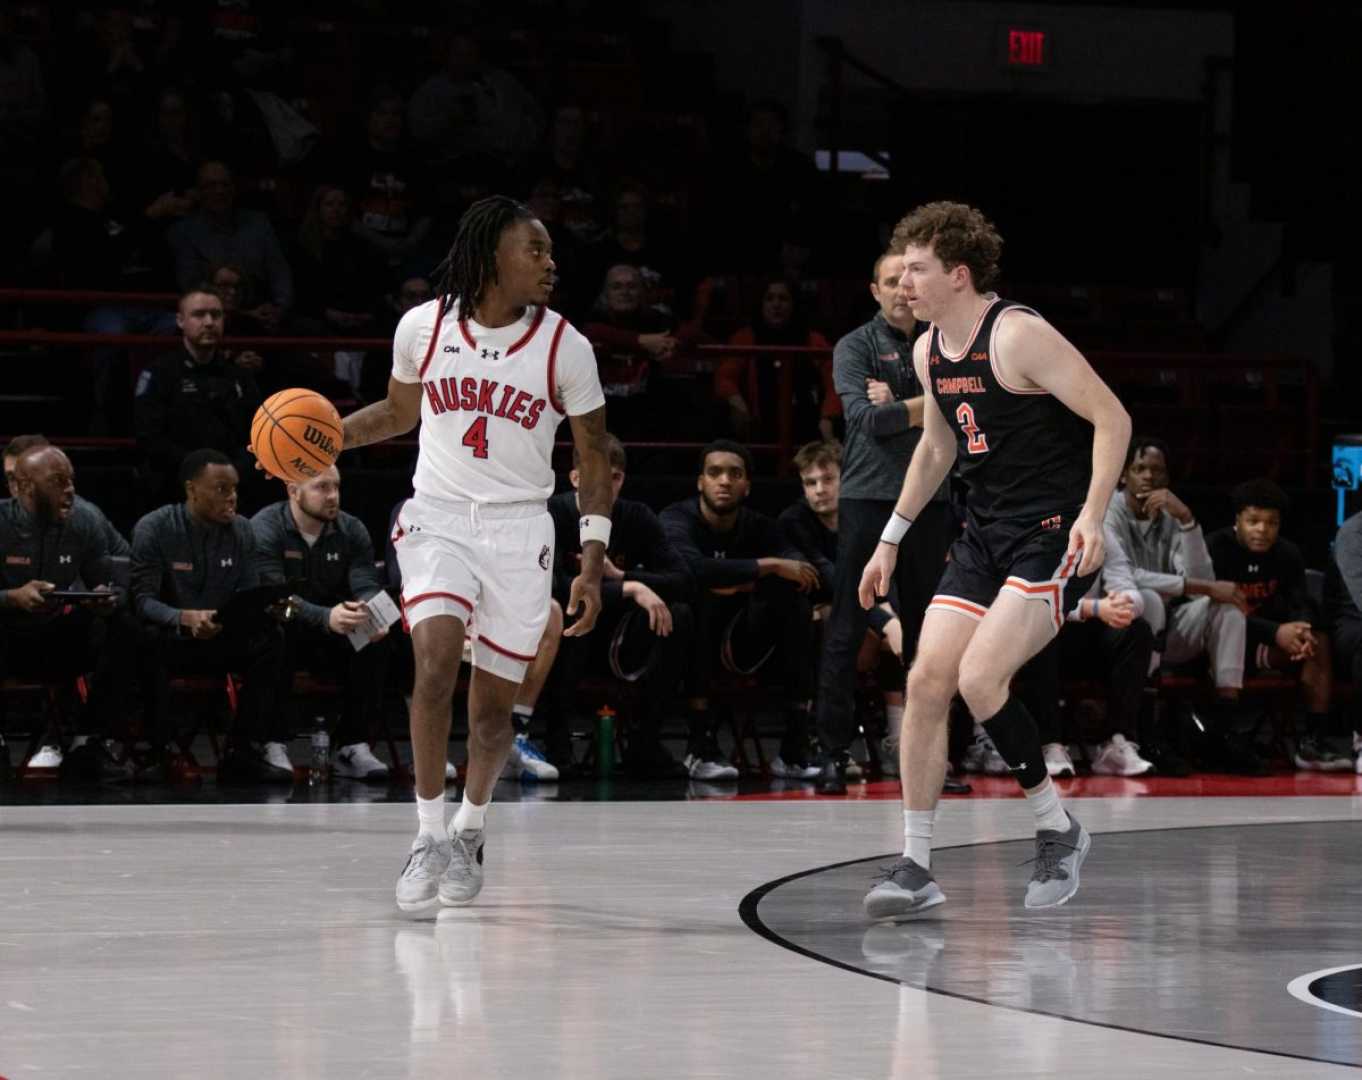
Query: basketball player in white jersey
point(490, 372)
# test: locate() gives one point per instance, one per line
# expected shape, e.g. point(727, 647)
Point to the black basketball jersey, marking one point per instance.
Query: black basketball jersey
point(1021, 453)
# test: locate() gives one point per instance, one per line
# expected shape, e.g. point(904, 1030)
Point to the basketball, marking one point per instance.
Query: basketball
point(296, 434)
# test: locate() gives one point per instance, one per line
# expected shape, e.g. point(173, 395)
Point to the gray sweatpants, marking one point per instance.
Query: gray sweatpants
point(1200, 626)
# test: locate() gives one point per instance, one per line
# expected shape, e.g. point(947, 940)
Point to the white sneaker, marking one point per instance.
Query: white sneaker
point(418, 886)
point(1057, 760)
point(527, 762)
point(1119, 757)
point(889, 756)
point(789, 771)
point(357, 762)
point(47, 757)
point(700, 769)
point(853, 770)
point(983, 757)
point(276, 754)
point(451, 772)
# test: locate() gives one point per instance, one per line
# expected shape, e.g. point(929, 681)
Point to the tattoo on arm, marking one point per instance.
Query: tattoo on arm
point(396, 414)
point(594, 494)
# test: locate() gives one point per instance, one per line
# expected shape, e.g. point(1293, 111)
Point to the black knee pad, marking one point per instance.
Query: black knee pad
point(1014, 733)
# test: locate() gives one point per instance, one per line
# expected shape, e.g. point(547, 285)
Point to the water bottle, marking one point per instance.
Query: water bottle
point(321, 753)
point(605, 741)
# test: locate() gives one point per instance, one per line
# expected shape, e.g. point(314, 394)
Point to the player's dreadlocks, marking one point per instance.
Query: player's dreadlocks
point(471, 265)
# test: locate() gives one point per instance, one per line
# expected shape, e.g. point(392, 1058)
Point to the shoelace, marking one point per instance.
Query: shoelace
point(470, 856)
point(1047, 860)
point(886, 873)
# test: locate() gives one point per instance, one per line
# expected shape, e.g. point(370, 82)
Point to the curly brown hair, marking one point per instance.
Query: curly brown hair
point(959, 234)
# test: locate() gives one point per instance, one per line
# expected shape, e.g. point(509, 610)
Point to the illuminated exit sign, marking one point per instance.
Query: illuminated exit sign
point(1028, 50)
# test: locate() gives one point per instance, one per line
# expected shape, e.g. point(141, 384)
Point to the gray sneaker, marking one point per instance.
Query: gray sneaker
point(462, 880)
point(1058, 858)
point(907, 889)
point(418, 887)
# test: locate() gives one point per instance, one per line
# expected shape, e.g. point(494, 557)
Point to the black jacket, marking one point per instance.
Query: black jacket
point(1274, 582)
point(720, 560)
point(182, 405)
point(638, 546)
point(338, 567)
point(179, 564)
point(83, 552)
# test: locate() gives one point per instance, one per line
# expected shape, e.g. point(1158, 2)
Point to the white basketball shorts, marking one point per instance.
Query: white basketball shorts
point(487, 564)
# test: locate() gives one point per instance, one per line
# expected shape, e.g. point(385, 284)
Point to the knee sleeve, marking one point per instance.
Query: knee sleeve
point(1014, 733)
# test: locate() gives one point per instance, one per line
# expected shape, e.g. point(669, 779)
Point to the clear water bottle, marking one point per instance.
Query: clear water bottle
point(321, 753)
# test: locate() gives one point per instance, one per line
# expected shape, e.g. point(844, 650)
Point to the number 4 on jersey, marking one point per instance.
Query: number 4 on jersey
point(476, 437)
point(977, 441)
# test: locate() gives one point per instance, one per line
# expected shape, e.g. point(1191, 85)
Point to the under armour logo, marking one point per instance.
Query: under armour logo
point(333, 556)
point(492, 354)
point(225, 562)
point(451, 348)
point(63, 558)
point(721, 554)
point(1253, 568)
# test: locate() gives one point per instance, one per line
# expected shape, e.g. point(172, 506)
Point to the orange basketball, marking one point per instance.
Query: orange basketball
point(296, 434)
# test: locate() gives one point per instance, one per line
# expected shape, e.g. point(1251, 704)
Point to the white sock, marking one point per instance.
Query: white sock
point(431, 813)
point(893, 716)
point(1044, 802)
point(917, 836)
point(470, 815)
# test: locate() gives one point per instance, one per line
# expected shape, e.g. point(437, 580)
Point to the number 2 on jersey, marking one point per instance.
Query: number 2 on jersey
point(476, 437)
point(977, 441)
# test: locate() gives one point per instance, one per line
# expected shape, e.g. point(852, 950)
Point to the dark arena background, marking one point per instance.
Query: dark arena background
point(207, 791)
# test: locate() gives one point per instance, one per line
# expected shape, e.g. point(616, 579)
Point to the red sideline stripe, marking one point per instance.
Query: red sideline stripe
point(434, 338)
point(553, 360)
point(431, 595)
point(504, 652)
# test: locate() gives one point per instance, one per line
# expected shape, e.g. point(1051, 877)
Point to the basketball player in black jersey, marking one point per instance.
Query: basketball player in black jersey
point(1039, 440)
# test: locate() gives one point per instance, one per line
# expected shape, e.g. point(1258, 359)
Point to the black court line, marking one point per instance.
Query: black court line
point(747, 910)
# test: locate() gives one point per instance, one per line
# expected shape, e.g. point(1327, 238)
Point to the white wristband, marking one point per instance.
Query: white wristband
point(895, 529)
point(594, 527)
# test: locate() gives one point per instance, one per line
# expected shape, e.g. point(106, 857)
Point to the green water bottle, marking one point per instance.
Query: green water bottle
point(605, 741)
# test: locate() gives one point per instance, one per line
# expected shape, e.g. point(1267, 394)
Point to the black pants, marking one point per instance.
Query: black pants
point(78, 643)
point(361, 675)
point(623, 645)
point(1347, 646)
point(1089, 650)
point(775, 618)
point(255, 655)
point(922, 556)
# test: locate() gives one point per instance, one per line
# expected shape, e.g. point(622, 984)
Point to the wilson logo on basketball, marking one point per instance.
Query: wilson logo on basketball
point(321, 440)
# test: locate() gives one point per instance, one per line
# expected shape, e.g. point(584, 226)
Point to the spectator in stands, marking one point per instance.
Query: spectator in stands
point(1285, 631)
point(811, 525)
point(750, 384)
point(218, 233)
point(1191, 612)
point(194, 396)
point(387, 179)
point(470, 106)
point(309, 539)
point(632, 241)
point(91, 247)
point(164, 175)
point(631, 340)
point(569, 161)
point(23, 128)
point(528, 762)
point(54, 541)
point(644, 631)
point(752, 601)
point(188, 559)
point(408, 291)
point(573, 292)
point(1343, 599)
point(882, 401)
point(337, 277)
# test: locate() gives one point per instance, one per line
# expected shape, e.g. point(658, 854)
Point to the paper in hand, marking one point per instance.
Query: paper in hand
point(381, 613)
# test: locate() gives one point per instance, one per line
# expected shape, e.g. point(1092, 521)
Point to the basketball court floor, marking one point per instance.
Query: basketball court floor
point(702, 937)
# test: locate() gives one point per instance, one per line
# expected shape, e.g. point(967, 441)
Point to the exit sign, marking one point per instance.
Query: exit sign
point(1027, 49)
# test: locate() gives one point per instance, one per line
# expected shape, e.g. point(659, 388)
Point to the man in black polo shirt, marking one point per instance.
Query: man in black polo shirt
point(308, 538)
point(52, 540)
point(194, 396)
point(188, 559)
point(645, 627)
point(872, 368)
point(752, 607)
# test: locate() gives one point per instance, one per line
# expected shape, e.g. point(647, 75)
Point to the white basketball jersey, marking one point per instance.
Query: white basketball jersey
point(492, 399)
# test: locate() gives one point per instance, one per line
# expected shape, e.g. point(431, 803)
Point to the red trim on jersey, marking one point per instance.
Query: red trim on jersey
point(463, 329)
point(553, 361)
point(504, 652)
point(433, 595)
point(525, 338)
point(434, 338)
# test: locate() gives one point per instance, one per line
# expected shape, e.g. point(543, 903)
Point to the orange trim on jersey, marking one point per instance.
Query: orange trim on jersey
point(504, 652)
point(979, 322)
point(525, 337)
point(959, 606)
point(434, 338)
point(433, 595)
point(993, 354)
point(1047, 591)
point(553, 361)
